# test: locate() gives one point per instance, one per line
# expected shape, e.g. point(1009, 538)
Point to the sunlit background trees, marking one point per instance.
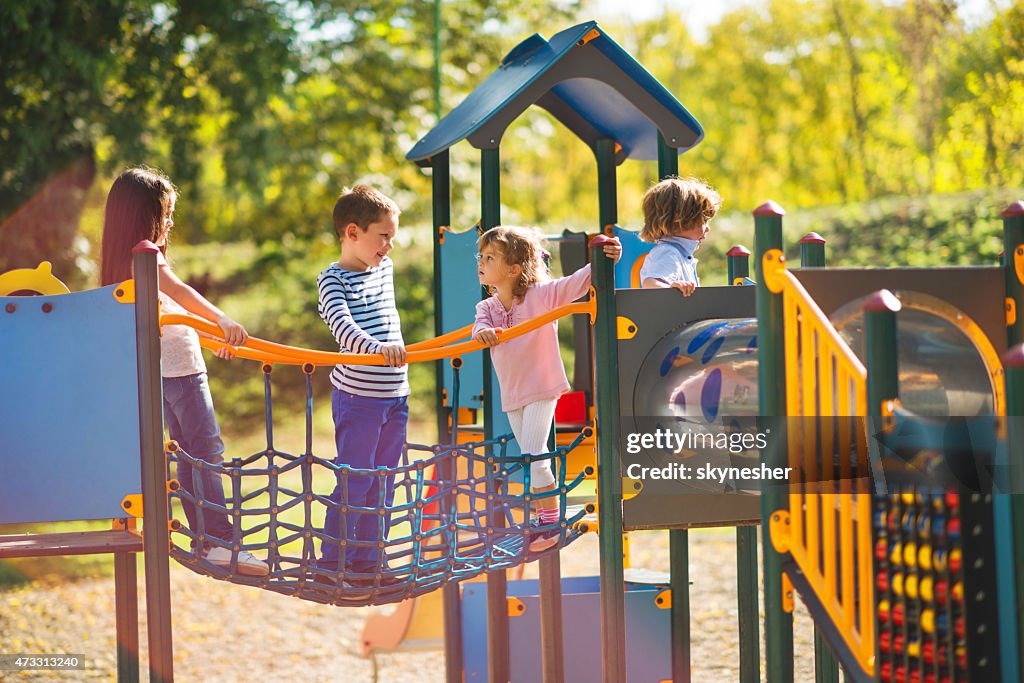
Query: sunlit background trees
point(869, 119)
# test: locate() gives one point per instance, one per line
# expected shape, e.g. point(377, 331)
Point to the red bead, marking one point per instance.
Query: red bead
point(959, 626)
point(897, 615)
point(882, 581)
point(883, 641)
point(954, 527)
point(952, 500)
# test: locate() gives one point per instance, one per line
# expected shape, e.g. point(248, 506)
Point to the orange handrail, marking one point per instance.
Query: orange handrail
point(421, 352)
point(454, 335)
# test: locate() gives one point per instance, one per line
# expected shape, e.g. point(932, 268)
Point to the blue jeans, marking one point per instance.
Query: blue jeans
point(188, 412)
point(369, 433)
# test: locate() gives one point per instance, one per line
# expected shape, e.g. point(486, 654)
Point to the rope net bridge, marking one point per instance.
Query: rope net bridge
point(447, 512)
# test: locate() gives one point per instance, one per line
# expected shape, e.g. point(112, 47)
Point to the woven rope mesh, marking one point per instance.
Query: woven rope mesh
point(459, 509)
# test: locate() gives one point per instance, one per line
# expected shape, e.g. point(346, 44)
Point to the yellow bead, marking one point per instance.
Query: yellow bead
point(907, 497)
point(910, 586)
point(910, 554)
point(897, 554)
point(927, 621)
point(924, 557)
point(927, 594)
point(897, 583)
point(958, 591)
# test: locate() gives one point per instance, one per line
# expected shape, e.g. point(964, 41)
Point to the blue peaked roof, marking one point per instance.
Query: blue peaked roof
point(587, 82)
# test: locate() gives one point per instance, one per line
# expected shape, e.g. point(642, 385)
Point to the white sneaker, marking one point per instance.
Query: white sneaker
point(248, 564)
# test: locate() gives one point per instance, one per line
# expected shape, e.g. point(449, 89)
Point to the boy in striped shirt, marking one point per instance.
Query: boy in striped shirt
point(369, 402)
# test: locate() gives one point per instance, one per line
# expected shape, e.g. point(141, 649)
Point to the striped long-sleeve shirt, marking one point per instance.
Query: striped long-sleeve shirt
point(360, 310)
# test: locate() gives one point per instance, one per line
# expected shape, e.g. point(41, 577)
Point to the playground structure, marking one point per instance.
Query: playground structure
point(867, 532)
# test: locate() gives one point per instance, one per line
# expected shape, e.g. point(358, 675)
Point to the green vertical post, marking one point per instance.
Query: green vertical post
point(1013, 267)
point(778, 628)
point(156, 537)
point(746, 594)
point(668, 159)
point(678, 539)
point(679, 612)
point(1013, 363)
point(497, 583)
point(880, 310)
point(1013, 258)
point(738, 261)
point(812, 251)
point(881, 358)
point(440, 181)
point(609, 468)
point(450, 597)
point(607, 190)
point(826, 667)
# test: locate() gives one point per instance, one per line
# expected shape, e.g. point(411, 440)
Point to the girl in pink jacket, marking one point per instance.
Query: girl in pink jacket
point(529, 368)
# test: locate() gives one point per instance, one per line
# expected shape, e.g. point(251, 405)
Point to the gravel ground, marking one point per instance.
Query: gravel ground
point(224, 632)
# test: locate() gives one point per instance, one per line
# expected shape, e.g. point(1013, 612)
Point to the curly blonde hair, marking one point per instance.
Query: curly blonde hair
point(677, 204)
point(521, 247)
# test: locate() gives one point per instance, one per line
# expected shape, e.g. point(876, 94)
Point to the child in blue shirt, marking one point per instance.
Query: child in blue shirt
point(369, 403)
point(677, 213)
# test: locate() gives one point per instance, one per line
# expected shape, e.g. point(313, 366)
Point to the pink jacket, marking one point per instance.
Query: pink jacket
point(529, 367)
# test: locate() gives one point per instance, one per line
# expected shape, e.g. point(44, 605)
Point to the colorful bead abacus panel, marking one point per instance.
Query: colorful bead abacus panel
point(935, 585)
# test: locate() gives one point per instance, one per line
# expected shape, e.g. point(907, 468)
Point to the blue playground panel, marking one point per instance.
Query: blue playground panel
point(632, 249)
point(648, 632)
point(460, 292)
point(69, 407)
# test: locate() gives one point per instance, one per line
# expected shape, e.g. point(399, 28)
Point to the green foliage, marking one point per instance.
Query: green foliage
point(810, 103)
point(10, 577)
point(934, 230)
point(259, 110)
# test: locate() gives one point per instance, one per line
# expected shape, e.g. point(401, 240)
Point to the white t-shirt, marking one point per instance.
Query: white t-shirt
point(180, 353)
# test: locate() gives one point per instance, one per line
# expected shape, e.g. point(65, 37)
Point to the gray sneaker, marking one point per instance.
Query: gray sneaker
point(248, 564)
